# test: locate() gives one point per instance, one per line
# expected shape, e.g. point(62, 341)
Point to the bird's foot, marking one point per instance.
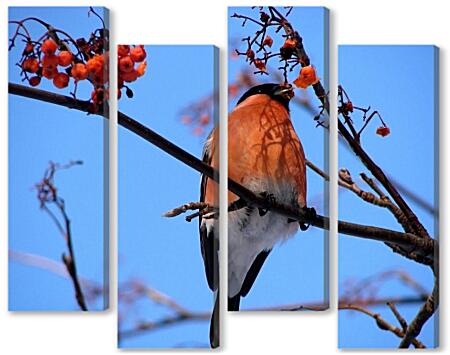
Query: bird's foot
point(269, 198)
point(237, 205)
point(310, 214)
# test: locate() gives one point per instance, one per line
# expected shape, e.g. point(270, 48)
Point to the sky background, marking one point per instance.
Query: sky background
point(295, 271)
point(398, 81)
point(40, 132)
point(160, 252)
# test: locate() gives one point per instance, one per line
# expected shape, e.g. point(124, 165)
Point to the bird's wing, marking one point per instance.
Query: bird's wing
point(208, 242)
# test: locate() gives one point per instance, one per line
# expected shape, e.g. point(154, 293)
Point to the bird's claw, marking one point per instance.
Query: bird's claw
point(269, 198)
point(310, 214)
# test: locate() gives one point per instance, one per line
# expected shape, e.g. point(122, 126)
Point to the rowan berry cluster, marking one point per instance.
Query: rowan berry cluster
point(259, 50)
point(132, 65)
point(57, 57)
point(346, 108)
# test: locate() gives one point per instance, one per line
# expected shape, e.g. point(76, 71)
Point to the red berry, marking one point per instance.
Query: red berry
point(138, 54)
point(49, 47)
point(123, 50)
point(30, 65)
point(126, 64)
point(35, 80)
point(65, 58)
point(79, 72)
point(50, 61)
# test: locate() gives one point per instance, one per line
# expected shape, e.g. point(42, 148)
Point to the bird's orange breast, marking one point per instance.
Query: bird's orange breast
point(262, 144)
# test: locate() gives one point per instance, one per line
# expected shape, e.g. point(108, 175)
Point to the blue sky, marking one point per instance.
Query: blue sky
point(40, 132)
point(295, 271)
point(398, 82)
point(163, 253)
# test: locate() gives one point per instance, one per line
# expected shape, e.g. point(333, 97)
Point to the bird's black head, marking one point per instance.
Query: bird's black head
point(280, 93)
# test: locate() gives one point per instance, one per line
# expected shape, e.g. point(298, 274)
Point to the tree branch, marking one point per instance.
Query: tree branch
point(425, 313)
point(354, 144)
point(424, 247)
point(47, 194)
point(381, 323)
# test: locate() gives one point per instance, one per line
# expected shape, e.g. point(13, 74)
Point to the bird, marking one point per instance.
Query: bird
point(209, 235)
point(266, 156)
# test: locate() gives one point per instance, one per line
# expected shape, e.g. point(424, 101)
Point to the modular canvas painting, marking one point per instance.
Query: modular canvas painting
point(388, 196)
point(278, 132)
point(58, 158)
point(168, 197)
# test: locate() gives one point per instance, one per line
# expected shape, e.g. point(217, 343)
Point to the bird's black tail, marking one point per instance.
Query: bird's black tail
point(234, 302)
point(214, 326)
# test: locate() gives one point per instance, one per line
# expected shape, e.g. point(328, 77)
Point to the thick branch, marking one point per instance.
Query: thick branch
point(425, 247)
point(425, 313)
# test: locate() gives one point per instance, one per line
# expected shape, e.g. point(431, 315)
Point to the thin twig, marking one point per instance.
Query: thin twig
point(397, 315)
point(47, 194)
point(381, 323)
point(425, 313)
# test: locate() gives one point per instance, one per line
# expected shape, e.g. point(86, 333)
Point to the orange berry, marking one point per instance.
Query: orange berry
point(126, 64)
point(186, 119)
point(383, 131)
point(65, 58)
point(307, 77)
point(260, 64)
point(35, 80)
point(250, 54)
point(49, 73)
point(50, 61)
point(130, 76)
point(98, 78)
point(138, 54)
point(268, 41)
point(204, 119)
point(141, 68)
point(198, 131)
point(289, 43)
point(233, 90)
point(79, 72)
point(349, 106)
point(49, 47)
point(61, 80)
point(28, 48)
point(123, 50)
point(30, 65)
point(95, 65)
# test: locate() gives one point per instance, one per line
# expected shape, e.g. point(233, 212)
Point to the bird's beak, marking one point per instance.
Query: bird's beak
point(287, 92)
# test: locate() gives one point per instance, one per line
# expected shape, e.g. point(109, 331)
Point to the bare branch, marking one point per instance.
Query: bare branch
point(186, 207)
point(47, 194)
point(381, 323)
point(397, 315)
point(91, 288)
point(425, 313)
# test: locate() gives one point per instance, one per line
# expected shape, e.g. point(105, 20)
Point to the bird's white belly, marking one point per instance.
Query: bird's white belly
point(250, 234)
